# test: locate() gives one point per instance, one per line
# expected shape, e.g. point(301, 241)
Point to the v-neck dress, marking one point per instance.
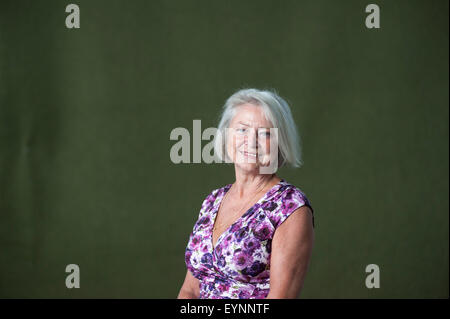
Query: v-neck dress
point(239, 265)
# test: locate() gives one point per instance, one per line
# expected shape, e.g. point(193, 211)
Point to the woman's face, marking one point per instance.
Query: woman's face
point(249, 137)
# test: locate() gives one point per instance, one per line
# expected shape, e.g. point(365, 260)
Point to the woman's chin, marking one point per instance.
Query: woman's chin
point(245, 166)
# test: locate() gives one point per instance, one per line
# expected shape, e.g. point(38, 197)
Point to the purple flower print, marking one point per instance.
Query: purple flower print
point(261, 216)
point(227, 239)
point(222, 287)
point(242, 260)
point(221, 262)
point(256, 207)
point(235, 227)
point(263, 231)
point(219, 279)
point(274, 220)
point(288, 206)
point(256, 268)
point(239, 266)
point(210, 203)
point(195, 241)
point(244, 294)
point(269, 246)
point(259, 293)
point(269, 206)
point(252, 209)
point(187, 255)
point(218, 249)
point(288, 195)
point(193, 260)
point(241, 233)
point(250, 244)
point(204, 220)
point(274, 191)
point(207, 260)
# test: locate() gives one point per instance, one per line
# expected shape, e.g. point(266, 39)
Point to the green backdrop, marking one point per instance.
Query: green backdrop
point(85, 118)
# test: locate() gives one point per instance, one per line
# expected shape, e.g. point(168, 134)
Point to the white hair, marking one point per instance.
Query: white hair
point(276, 110)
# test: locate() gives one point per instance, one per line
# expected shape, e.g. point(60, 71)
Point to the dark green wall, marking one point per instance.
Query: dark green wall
point(85, 118)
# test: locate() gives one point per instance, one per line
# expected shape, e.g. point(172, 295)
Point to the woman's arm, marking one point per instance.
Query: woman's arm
point(190, 288)
point(291, 250)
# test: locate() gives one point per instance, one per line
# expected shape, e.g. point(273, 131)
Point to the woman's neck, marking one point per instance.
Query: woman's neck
point(249, 184)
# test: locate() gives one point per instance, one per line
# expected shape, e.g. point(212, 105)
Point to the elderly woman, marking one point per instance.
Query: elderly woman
point(253, 238)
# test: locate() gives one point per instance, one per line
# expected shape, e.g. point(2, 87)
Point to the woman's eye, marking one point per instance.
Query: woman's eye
point(241, 130)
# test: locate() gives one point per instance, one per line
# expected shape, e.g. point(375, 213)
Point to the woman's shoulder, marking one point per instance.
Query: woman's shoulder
point(212, 197)
point(286, 200)
point(288, 191)
point(217, 192)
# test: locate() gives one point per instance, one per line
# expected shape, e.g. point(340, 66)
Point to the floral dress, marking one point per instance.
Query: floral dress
point(239, 265)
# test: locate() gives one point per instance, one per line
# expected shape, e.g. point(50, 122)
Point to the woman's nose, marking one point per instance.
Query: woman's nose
point(252, 139)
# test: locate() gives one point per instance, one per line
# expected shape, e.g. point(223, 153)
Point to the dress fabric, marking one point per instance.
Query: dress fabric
point(239, 265)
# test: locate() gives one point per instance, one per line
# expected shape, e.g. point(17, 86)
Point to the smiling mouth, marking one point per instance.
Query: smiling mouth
point(248, 154)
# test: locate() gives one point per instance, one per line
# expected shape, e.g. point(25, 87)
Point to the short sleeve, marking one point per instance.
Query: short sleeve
point(291, 199)
point(207, 204)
